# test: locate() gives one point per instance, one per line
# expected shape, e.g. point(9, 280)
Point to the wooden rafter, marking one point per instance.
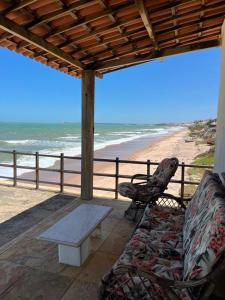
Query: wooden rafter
point(117, 63)
point(147, 22)
point(28, 36)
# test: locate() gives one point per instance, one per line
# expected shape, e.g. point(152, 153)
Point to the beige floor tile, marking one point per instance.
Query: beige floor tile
point(81, 290)
point(97, 266)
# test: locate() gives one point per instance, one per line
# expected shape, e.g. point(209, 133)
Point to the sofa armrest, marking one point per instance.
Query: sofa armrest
point(179, 200)
point(167, 284)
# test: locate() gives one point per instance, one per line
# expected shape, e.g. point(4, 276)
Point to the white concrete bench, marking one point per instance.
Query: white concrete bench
point(72, 233)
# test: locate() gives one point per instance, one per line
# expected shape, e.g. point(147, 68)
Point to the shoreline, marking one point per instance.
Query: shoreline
point(155, 149)
point(123, 150)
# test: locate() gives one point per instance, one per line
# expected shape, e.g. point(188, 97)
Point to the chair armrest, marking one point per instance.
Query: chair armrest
point(140, 176)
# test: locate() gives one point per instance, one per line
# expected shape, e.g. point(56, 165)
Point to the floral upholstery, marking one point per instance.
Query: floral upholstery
point(155, 185)
point(162, 218)
point(158, 251)
point(195, 206)
point(204, 230)
point(174, 244)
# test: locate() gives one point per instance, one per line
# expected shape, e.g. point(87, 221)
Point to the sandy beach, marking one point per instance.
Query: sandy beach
point(155, 149)
point(173, 145)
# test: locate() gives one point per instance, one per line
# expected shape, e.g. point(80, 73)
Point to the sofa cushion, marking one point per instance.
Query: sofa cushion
point(202, 195)
point(162, 218)
point(160, 252)
point(205, 241)
point(156, 251)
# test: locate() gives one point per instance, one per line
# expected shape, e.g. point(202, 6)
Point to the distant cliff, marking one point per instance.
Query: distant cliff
point(203, 132)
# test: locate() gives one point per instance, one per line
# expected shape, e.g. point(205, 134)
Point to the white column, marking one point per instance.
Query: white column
point(88, 84)
point(220, 130)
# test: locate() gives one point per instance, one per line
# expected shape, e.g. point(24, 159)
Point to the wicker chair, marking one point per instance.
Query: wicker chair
point(148, 190)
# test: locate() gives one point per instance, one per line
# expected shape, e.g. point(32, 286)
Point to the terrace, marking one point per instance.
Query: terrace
point(88, 39)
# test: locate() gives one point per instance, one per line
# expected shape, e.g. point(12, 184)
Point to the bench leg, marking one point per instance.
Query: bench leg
point(97, 233)
point(74, 256)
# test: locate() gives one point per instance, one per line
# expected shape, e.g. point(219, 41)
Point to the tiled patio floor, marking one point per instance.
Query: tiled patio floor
point(29, 268)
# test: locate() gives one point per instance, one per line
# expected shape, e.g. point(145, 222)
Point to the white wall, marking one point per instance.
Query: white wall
point(220, 131)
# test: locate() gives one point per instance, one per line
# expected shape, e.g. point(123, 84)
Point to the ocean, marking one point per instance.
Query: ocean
point(65, 138)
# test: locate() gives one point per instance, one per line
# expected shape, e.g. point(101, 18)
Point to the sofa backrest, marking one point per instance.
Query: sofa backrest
point(204, 228)
point(165, 170)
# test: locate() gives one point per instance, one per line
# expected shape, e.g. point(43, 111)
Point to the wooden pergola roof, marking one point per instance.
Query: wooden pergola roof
point(105, 35)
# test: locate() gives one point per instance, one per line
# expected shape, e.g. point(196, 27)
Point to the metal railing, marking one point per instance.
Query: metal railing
point(62, 171)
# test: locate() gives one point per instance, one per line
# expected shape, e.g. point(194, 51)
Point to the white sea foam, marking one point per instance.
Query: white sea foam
point(22, 142)
point(69, 137)
point(72, 148)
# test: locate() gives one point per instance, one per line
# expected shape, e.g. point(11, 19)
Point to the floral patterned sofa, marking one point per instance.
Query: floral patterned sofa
point(175, 253)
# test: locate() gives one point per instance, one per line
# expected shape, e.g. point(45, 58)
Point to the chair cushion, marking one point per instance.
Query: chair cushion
point(156, 184)
point(165, 171)
point(205, 236)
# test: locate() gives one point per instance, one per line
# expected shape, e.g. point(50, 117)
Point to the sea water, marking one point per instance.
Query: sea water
point(65, 138)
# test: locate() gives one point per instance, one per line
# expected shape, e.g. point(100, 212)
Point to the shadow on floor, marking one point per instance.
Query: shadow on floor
point(18, 224)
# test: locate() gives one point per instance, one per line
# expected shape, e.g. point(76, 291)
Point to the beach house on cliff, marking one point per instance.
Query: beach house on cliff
point(88, 39)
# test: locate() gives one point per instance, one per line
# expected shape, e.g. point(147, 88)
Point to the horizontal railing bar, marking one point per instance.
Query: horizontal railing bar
point(104, 175)
point(48, 155)
point(6, 165)
point(6, 177)
point(25, 179)
point(72, 172)
point(72, 157)
point(72, 185)
point(198, 166)
point(104, 189)
point(25, 167)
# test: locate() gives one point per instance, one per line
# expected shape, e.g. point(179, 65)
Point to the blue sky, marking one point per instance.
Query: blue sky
point(182, 88)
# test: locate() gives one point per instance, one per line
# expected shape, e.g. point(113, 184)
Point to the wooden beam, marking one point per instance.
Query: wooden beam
point(87, 153)
point(117, 63)
point(147, 22)
point(38, 41)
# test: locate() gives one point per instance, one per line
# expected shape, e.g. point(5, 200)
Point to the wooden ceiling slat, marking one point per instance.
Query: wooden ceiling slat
point(19, 31)
point(85, 20)
point(60, 13)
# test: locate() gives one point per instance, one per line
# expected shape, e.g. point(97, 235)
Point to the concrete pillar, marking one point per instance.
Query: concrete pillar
point(87, 151)
point(220, 130)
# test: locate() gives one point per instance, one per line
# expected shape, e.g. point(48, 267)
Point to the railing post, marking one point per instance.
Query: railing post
point(37, 169)
point(182, 179)
point(14, 168)
point(148, 167)
point(61, 173)
point(117, 178)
